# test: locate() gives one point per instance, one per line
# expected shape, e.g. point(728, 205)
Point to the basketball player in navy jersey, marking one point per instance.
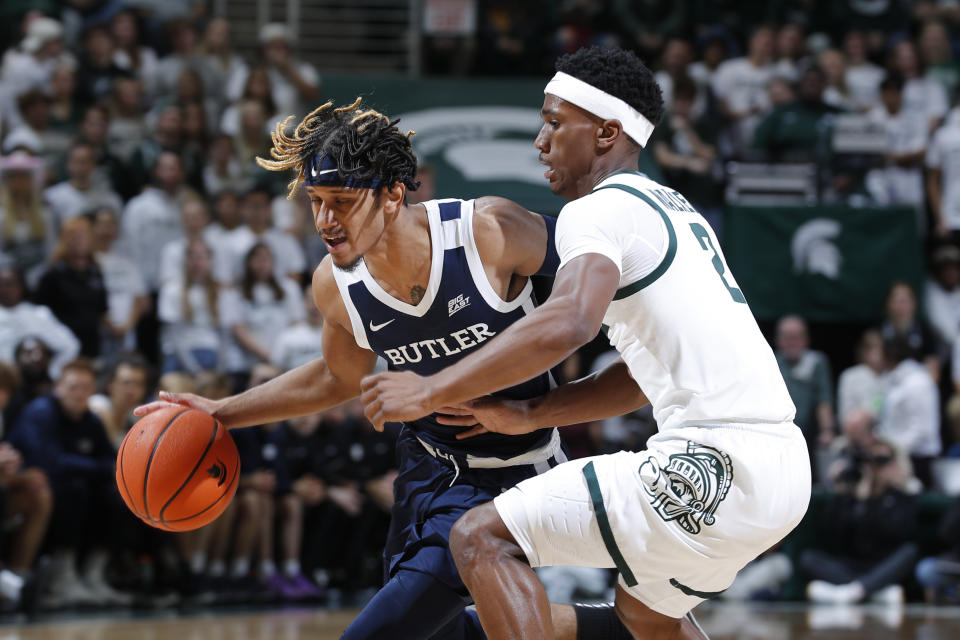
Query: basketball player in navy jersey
point(421, 286)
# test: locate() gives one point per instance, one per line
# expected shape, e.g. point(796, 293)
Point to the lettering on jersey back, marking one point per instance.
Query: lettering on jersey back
point(673, 200)
point(440, 347)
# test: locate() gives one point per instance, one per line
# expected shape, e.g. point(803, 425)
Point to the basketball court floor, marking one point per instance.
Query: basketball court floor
point(722, 621)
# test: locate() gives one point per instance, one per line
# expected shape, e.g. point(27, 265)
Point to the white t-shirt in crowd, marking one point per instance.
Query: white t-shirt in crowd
point(150, 221)
point(219, 75)
point(283, 92)
point(911, 411)
point(173, 258)
point(944, 154)
point(202, 330)
point(744, 88)
point(287, 253)
point(863, 82)
point(148, 69)
point(927, 96)
point(124, 135)
point(297, 345)
point(789, 69)
point(665, 80)
point(265, 316)
point(907, 132)
point(860, 387)
point(124, 284)
point(943, 311)
point(35, 320)
point(22, 71)
point(67, 202)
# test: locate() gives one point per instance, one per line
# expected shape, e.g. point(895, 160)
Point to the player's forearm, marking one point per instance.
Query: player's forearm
point(527, 348)
point(307, 389)
point(605, 394)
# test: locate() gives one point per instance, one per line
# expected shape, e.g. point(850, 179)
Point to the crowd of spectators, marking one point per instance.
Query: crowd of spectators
point(142, 248)
point(770, 82)
point(885, 433)
point(867, 93)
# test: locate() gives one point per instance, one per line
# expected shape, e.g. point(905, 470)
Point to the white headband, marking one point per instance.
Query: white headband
point(602, 104)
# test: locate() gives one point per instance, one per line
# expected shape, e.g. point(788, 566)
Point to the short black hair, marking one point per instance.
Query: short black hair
point(364, 143)
point(892, 81)
point(897, 348)
point(619, 73)
point(684, 87)
point(816, 70)
point(29, 98)
point(132, 359)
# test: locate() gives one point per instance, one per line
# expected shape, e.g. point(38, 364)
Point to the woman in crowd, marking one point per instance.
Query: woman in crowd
point(128, 53)
point(266, 306)
point(23, 218)
point(193, 311)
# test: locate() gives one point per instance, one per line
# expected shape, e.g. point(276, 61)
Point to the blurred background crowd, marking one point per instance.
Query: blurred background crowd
point(141, 248)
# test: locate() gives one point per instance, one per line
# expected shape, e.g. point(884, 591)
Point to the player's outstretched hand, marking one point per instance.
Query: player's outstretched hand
point(395, 396)
point(488, 414)
point(168, 399)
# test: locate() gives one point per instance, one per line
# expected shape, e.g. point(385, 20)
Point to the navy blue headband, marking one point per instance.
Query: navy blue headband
point(322, 171)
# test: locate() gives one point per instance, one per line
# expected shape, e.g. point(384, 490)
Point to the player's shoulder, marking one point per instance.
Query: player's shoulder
point(507, 235)
point(326, 292)
point(323, 280)
point(498, 211)
point(496, 218)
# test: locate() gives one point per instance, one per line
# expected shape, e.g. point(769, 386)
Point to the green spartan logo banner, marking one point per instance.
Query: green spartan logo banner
point(826, 263)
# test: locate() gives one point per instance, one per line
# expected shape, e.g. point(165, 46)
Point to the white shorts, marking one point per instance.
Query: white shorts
point(677, 520)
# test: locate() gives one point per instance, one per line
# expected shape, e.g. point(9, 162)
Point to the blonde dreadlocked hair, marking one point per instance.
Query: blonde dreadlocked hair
point(365, 144)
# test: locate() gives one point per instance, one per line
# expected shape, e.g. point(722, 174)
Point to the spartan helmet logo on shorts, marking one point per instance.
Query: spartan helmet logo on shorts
point(691, 487)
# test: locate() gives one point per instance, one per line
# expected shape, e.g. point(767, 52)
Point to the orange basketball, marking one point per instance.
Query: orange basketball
point(178, 469)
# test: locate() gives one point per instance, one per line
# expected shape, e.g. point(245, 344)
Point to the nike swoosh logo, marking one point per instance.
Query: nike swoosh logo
point(377, 327)
point(316, 173)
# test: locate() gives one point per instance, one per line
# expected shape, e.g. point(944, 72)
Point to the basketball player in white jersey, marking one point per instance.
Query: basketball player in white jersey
point(726, 477)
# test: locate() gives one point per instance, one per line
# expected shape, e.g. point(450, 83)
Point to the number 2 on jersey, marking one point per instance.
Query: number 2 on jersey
point(703, 237)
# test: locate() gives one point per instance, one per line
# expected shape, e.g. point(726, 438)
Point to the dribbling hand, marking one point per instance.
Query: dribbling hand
point(168, 399)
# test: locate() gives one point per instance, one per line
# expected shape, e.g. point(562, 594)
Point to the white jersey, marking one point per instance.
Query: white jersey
point(679, 320)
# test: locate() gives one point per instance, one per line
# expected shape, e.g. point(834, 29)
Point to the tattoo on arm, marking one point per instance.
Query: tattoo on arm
point(416, 294)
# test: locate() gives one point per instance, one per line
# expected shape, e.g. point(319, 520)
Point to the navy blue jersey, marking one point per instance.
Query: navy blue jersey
point(458, 313)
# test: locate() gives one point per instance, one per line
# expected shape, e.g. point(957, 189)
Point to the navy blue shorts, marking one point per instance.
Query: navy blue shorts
point(430, 495)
